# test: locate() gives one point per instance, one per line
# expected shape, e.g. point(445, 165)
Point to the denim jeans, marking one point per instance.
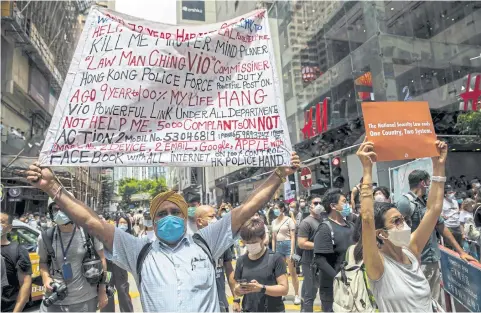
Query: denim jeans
point(309, 290)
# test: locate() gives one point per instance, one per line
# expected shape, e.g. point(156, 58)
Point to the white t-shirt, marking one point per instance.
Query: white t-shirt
point(464, 216)
point(451, 213)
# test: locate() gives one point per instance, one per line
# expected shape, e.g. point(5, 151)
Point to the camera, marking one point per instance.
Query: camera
point(110, 290)
point(59, 293)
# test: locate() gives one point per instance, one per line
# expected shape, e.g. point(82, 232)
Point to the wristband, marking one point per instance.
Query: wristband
point(279, 174)
point(439, 179)
point(57, 192)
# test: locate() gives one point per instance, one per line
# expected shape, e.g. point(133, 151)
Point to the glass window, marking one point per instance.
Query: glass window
point(25, 237)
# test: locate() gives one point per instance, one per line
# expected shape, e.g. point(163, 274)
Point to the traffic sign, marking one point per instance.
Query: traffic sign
point(306, 177)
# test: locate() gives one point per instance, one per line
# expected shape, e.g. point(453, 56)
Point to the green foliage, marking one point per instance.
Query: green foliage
point(131, 186)
point(469, 123)
point(107, 190)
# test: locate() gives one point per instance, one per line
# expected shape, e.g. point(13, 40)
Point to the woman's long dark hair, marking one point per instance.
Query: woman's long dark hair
point(380, 209)
point(126, 218)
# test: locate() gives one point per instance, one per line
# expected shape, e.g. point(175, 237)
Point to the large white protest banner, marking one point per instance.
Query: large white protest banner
point(141, 93)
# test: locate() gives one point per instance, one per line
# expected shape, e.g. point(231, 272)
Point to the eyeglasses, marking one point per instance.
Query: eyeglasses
point(316, 203)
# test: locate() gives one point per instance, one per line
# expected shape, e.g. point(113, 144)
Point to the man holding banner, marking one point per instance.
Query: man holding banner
point(177, 274)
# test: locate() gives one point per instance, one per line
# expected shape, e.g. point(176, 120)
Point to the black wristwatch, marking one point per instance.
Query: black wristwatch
point(237, 300)
point(263, 289)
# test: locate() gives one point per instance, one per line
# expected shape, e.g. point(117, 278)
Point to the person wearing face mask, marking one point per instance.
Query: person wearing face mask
point(307, 230)
point(413, 207)
point(283, 242)
point(331, 241)
point(205, 216)
point(176, 271)
point(260, 275)
point(120, 277)
point(69, 246)
point(390, 250)
point(382, 194)
point(43, 223)
point(18, 268)
point(148, 230)
point(450, 215)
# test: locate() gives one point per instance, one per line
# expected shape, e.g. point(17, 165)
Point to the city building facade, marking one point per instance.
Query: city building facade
point(334, 55)
point(37, 40)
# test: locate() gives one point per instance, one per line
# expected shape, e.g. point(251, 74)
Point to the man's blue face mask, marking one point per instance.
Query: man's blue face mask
point(170, 228)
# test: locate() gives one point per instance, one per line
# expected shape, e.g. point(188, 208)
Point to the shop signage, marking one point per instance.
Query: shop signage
point(306, 177)
point(14, 192)
point(193, 10)
point(461, 280)
point(310, 129)
point(15, 199)
point(473, 95)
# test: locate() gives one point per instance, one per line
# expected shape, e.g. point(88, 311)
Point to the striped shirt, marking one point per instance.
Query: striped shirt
point(180, 278)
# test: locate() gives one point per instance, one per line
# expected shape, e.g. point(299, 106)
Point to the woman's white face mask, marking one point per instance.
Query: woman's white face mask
point(254, 248)
point(400, 237)
point(380, 198)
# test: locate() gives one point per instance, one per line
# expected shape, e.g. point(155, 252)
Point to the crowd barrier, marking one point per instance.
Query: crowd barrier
point(461, 282)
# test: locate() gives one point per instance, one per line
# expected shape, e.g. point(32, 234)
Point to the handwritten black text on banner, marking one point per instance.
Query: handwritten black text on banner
point(145, 93)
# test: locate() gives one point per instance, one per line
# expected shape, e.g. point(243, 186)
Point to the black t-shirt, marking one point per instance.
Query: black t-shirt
point(220, 277)
point(307, 229)
point(334, 255)
point(16, 260)
point(266, 273)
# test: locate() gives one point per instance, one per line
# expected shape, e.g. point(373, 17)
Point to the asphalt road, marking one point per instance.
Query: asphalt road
point(134, 294)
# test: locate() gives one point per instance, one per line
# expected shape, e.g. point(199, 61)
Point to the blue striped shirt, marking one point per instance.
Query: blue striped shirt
point(180, 278)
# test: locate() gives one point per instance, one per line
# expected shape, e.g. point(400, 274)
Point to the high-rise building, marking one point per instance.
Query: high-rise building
point(336, 54)
point(38, 40)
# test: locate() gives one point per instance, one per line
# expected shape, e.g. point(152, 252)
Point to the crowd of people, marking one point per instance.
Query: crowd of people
point(182, 254)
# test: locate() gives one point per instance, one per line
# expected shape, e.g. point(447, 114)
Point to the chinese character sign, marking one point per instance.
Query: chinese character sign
point(462, 280)
point(142, 93)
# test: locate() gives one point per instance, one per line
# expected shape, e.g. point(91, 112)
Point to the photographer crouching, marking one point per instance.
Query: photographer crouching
point(72, 266)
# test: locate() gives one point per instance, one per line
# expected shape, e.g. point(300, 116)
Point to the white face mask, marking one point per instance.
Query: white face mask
point(253, 248)
point(318, 209)
point(400, 237)
point(150, 234)
point(148, 223)
point(380, 198)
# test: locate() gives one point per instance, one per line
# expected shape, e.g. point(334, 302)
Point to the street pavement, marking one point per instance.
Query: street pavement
point(134, 294)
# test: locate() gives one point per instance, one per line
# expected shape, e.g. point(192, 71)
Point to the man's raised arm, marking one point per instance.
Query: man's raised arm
point(77, 211)
point(259, 197)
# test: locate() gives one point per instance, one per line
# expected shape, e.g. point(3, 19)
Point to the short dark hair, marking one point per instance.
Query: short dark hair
point(252, 229)
point(331, 196)
point(416, 177)
point(313, 196)
point(384, 190)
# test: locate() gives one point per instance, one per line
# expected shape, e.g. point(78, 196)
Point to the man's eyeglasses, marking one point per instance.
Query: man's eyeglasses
point(316, 203)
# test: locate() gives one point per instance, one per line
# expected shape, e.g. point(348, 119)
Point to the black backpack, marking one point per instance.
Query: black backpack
point(147, 247)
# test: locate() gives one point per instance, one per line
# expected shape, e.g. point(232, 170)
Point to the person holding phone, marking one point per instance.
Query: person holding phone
point(260, 275)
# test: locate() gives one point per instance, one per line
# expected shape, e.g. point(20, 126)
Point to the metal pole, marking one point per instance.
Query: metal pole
point(296, 180)
point(330, 170)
